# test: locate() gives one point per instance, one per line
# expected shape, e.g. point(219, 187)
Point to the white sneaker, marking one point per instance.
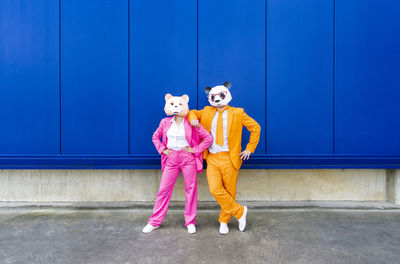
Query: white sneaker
point(148, 228)
point(242, 220)
point(191, 229)
point(223, 229)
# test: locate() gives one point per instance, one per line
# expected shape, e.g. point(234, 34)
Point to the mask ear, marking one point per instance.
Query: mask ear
point(167, 96)
point(186, 98)
point(207, 89)
point(228, 85)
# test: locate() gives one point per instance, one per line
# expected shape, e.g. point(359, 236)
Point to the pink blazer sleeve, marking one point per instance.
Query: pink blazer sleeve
point(207, 139)
point(156, 138)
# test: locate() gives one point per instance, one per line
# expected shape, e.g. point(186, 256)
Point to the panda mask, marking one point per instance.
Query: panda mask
point(219, 95)
point(176, 105)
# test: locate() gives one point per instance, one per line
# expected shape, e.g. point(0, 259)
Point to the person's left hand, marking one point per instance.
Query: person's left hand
point(195, 123)
point(188, 149)
point(245, 155)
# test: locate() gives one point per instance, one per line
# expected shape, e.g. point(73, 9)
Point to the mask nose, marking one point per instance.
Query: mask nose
point(217, 101)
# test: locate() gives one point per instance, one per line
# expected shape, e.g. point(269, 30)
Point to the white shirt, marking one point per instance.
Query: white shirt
point(214, 148)
point(176, 136)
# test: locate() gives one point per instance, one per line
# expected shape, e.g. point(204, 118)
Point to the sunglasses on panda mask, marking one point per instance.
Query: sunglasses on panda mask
point(221, 94)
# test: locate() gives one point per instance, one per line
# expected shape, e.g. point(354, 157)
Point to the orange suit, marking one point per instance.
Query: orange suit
point(223, 167)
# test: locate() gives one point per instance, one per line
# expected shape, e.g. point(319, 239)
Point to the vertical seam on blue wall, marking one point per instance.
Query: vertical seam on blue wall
point(265, 50)
point(197, 54)
point(129, 78)
point(59, 72)
point(334, 77)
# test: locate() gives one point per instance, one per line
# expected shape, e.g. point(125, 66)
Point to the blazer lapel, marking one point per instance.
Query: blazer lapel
point(165, 130)
point(188, 130)
point(210, 118)
point(230, 118)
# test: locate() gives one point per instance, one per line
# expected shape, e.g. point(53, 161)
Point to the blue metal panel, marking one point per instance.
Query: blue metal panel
point(299, 76)
point(103, 114)
point(163, 44)
point(94, 77)
point(29, 77)
point(232, 48)
point(367, 77)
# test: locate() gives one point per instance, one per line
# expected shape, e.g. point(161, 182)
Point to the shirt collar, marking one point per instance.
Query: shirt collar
point(223, 109)
point(173, 121)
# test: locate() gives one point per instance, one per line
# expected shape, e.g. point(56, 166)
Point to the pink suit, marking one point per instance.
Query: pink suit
point(189, 163)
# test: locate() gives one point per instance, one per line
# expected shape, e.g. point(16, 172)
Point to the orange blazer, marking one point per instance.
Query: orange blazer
point(237, 118)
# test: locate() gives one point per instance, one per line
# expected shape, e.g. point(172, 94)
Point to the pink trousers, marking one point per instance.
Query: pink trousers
point(177, 161)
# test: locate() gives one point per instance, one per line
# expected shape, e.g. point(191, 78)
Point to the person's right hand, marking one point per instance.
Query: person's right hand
point(195, 123)
point(166, 151)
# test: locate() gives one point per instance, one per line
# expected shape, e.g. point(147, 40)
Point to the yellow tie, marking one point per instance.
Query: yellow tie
point(220, 129)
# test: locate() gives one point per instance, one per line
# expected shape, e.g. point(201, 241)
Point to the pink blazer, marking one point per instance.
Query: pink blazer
point(193, 136)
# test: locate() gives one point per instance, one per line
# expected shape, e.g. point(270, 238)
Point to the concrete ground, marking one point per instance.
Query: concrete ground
point(312, 235)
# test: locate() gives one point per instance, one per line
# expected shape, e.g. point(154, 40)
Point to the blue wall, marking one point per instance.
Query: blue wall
point(82, 82)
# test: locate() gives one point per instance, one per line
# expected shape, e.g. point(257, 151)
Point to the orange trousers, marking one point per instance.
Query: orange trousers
point(222, 178)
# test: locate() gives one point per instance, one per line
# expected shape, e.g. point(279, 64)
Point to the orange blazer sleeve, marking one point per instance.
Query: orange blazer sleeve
point(195, 115)
point(254, 129)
